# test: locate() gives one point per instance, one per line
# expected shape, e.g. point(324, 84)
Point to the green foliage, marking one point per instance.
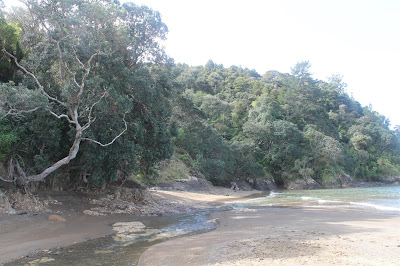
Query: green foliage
point(8, 138)
point(229, 123)
point(298, 127)
point(102, 61)
point(9, 40)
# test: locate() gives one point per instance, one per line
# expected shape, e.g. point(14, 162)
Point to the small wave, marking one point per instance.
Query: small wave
point(309, 198)
point(328, 201)
point(375, 206)
point(327, 206)
point(274, 194)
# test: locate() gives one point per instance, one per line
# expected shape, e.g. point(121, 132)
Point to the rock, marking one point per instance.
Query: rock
point(191, 183)
point(128, 227)
point(346, 181)
point(40, 261)
point(243, 185)
point(55, 217)
point(393, 180)
point(128, 231)
point(303, 184)
point(265, 185)
point(28, 202)
point(5, 206)
point(93, 213)
point(103, 251)
point(234, 186)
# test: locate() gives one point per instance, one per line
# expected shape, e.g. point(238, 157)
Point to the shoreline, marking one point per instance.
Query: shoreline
point(287, 236)
point(244, 236)
point(33, 233)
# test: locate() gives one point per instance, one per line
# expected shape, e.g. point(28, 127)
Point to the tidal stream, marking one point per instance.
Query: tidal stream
point(114, 250)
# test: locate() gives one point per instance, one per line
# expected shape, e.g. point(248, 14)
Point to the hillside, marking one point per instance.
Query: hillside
point(86, 102)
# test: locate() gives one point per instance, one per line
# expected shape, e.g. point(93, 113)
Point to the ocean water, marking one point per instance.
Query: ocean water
point(383, 199)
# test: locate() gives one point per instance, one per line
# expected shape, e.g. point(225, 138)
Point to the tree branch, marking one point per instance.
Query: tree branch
point(90, 121)
point(62, 116)
point(5, 180)
point(34, 77)
point(114, 139)
point(13, 111)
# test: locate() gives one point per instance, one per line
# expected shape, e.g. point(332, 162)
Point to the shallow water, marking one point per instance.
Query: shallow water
point(112, 250)
point(383, 199)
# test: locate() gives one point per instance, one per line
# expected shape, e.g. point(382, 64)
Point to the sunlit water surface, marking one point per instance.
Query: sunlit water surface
point(381, 199)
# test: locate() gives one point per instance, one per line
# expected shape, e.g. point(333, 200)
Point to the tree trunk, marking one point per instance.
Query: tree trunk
point(71, 155)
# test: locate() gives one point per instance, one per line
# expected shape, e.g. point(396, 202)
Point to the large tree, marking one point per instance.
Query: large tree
point(83, 57)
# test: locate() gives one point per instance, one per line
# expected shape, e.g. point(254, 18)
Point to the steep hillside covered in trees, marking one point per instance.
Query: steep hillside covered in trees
point(290, 126)
point(87, 92)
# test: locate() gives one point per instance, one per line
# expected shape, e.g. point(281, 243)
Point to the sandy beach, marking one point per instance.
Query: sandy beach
point(247, 236)
point(30, 233)
point(287, 236)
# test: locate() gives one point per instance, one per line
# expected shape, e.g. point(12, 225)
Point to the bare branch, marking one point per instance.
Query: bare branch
point(73, 75)
point(114, 139)
point(33, 76)
point(90, 121)
point(87, 71)
point(16, 112)
point(5, 180)
point(62, 116)
point(77, 58)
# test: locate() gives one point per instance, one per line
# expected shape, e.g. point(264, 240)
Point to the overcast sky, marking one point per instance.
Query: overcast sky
point(359, 39)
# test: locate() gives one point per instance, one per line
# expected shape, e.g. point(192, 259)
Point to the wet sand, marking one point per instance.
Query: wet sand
point(287, 236)
point(21, 235)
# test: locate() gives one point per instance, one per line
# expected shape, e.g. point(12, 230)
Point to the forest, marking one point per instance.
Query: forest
point(89, 97)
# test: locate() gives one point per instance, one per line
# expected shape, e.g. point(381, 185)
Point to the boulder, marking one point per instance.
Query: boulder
point(242, 185)
point(346, 181)
point(300, 184)
point(191, 183)
point(265, 185)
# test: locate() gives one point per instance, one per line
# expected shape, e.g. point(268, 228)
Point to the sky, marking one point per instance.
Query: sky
point(359, 39)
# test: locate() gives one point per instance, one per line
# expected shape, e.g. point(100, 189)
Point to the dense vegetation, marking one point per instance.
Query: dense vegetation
point(88, 96)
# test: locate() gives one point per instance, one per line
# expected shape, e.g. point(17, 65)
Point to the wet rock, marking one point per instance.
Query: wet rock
point(128, 227)
point(103, 251)
point(129, 231)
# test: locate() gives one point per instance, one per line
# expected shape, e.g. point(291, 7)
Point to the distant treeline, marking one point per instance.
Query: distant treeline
point(88, 96)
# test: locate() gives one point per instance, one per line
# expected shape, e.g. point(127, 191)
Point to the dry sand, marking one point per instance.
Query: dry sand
point(287, 236)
